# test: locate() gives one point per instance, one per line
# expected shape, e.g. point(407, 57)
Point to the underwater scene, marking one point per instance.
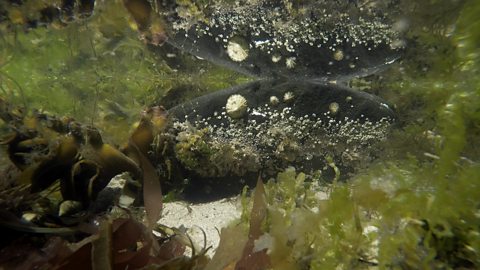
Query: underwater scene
point(246, 134)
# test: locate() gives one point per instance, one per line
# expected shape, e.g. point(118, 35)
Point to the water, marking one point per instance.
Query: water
point(374, 101)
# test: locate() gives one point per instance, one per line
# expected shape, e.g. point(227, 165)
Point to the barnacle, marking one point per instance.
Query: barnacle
point(236, 106)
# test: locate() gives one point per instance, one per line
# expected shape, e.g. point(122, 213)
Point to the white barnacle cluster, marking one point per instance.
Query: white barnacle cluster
point(280, 138)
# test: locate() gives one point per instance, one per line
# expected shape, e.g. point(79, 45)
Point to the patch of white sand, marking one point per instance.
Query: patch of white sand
point(209, 217)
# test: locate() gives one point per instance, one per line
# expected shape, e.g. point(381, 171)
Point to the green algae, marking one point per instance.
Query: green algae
point(97, 70)
point(397, 216)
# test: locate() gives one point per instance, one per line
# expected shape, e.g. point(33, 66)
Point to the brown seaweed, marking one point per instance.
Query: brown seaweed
point(255, 260)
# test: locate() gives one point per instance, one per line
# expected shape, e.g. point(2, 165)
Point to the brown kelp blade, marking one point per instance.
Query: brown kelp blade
point(152, 123)
point(152, 192)
point(255, 260)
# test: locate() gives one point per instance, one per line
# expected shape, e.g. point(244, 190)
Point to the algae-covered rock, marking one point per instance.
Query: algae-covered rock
point(315, 127)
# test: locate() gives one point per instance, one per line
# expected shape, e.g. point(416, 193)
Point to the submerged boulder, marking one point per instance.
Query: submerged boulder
point(323, 129)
